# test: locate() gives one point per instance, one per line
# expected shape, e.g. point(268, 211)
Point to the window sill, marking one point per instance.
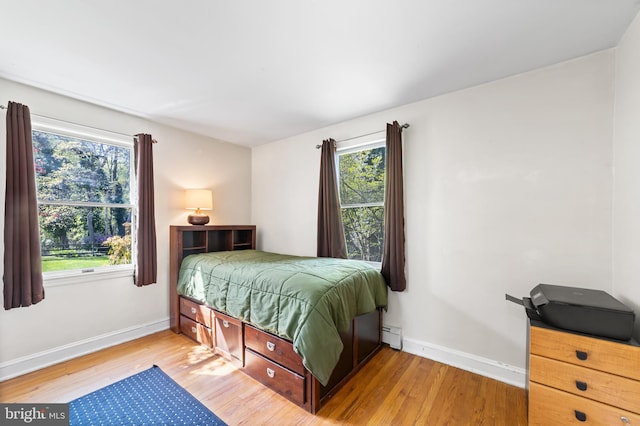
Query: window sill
point(63, 278)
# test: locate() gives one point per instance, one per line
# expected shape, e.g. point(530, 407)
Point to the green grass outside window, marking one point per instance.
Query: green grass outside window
point(54, 263)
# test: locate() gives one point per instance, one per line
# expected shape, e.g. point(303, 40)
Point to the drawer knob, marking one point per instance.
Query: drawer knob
point(582, 417)
point(581, 385)
point(225, 323)
point(581, 355)
point(271, 346)
point(193, 330)
point(193, 310)
point(271, 373)
point(625, 420)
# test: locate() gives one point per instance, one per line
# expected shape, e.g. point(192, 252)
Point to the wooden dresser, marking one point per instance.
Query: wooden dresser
point(579, 379)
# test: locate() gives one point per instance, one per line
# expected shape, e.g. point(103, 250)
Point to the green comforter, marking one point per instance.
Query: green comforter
point(307, 300)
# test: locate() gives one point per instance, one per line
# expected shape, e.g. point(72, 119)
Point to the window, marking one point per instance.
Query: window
point(361, 173)
point(85, 203)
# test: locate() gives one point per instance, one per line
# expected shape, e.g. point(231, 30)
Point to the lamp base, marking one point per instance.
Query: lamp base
point(198, 219)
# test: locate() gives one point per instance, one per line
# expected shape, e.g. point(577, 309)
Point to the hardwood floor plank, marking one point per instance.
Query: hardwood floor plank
point(394, 388)
point(419, 401)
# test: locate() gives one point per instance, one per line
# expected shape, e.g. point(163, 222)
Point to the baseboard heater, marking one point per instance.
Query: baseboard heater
point(392, 336)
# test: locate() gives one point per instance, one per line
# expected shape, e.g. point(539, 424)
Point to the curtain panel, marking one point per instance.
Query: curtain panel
point(331, 242)
point(147, 256)
point(23, 283)
point(393, 253)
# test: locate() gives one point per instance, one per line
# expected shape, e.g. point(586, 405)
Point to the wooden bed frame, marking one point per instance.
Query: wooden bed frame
point(267, 358)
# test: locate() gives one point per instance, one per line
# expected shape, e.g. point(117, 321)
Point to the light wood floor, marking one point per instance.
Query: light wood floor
point(394, 388)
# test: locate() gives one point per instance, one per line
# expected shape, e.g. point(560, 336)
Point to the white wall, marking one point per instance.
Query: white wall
point(626, 160)
point(507, 185)
point(71, 317)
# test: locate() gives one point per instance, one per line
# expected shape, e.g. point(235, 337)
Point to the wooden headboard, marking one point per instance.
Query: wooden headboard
point(192, 239)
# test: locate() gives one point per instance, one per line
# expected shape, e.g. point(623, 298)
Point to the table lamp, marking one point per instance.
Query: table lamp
point(198, 199)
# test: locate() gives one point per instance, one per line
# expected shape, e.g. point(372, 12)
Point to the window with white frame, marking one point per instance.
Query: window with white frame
point(361, 174)
point(84, 182)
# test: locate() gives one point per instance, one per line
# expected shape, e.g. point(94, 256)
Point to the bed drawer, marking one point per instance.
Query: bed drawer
point(590, 352)
point(197, 312)
point(274, 348)
point(548, 406)
point(228, 337)
point(607, 388)
point(285, 382)
point(196, 331)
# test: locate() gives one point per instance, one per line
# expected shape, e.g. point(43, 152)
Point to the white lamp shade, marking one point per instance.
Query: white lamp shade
point(198, 199)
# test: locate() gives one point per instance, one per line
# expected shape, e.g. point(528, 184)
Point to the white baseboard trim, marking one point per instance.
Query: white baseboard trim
point(26, 364)
point(486, 367)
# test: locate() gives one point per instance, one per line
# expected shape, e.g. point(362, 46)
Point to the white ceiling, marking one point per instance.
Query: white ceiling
point(255, 71)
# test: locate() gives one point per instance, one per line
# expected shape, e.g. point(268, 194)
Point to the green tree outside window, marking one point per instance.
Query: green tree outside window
point(84, 202)
point(361, 186)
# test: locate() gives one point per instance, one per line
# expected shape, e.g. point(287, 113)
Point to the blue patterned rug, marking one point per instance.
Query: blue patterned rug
point(147, 398)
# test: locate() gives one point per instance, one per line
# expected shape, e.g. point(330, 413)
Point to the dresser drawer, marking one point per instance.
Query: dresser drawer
point(604, 355)
point(195, 311)
point(285, 382)
point(593, 384)
point(274, 348)
point(196, 331)
point(228, 337)
point(548, 406)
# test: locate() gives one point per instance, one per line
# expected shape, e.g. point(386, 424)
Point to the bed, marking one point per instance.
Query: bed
point(300, 325)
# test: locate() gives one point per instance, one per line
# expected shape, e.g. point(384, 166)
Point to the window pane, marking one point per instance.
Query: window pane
point(71, 169)
point(84, 237)
point(362, 176)
point(363, 231)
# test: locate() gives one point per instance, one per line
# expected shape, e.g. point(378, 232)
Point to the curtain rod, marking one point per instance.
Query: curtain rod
point(83, 125)
point(404, 126)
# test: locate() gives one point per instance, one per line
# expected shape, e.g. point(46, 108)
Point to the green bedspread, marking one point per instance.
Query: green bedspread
point(307, 300)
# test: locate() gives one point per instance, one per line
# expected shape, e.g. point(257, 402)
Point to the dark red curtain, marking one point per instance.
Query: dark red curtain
point(23, 285)
point(331, 242)
point(147, 259)
point(393, 253)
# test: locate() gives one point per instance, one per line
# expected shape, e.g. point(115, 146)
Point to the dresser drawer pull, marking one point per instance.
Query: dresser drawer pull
point(581, 355)
point(193, 310)
point(582, 417)
point(625, 420)
point(194, 330)
point(581, 385)
point(271, 373)
point(225, 323)
point(271, 346)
